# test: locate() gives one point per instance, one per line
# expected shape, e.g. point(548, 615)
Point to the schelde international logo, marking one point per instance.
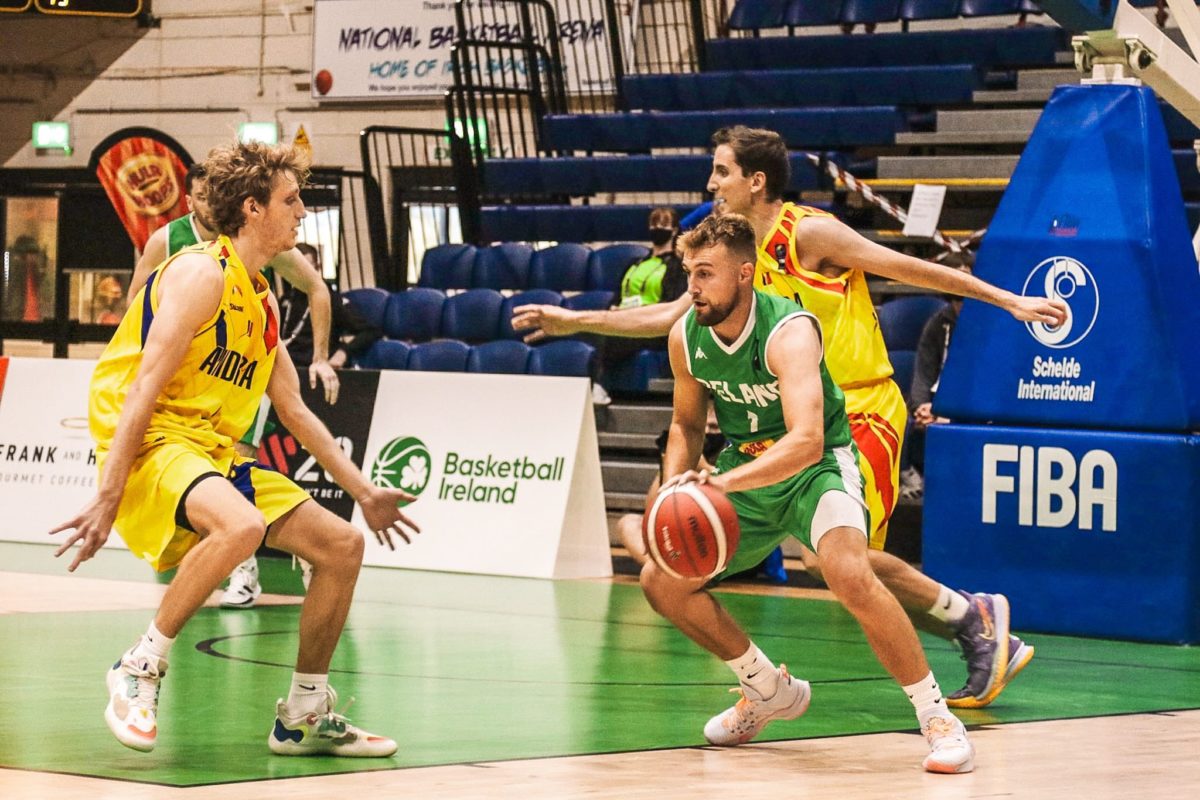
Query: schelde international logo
point(1068, 280)
point(403, 463)
point(147, 180)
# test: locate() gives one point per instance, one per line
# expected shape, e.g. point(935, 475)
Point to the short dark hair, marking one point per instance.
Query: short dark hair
point(194, 173)
point(310, 251)
point(247, 169)
point(732, 230)
point(664, 217)
point(758, 150)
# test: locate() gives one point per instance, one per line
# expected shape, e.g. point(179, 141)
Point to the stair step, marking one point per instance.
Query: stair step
point(629, 441)
point(962, 167)
point(988, 119)
point(627, 476)
point(621, 502)
point(624, 418)
point(963, 137)
point(1029, 79)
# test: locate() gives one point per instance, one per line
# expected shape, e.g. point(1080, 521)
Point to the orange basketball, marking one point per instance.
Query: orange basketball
point(691, 530)
point(323, 81)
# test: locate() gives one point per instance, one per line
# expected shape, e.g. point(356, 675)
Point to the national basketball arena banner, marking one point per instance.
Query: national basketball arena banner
point(506, 472)
point(380, 49)
point(47, 457)
point(143, 172)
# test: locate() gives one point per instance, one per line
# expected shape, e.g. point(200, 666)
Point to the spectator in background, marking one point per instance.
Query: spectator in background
point(28, 282)
point(108, 301)
point(657, 278)
point(932, 348)
point(350, 334)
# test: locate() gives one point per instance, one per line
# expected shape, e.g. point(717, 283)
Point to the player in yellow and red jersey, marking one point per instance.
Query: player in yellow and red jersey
point(811, 257)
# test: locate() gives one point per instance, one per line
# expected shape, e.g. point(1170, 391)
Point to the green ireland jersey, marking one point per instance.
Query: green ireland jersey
point(181, 233)
point(745, 391)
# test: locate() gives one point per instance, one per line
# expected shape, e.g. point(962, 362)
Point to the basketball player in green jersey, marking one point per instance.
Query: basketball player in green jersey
point(791, 470)
point(194, 228)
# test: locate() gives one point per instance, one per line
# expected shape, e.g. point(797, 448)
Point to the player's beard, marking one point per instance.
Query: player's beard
point(713, 313)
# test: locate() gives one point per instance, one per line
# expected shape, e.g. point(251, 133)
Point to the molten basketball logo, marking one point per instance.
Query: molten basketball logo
point(1068, 280)
point(403, 463)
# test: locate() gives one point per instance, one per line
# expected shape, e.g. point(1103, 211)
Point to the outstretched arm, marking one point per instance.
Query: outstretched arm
point(297, 271)
point(189, 295)
point(830, 244)
point(641, 322)
point(379, 505)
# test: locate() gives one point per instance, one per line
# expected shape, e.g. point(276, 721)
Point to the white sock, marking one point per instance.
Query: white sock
point(755, 670)
point(950, 607)
point(307, 693)
point(153, 644)
point(927, 699)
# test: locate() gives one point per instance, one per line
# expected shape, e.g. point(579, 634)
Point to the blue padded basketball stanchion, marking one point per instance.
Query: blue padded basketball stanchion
point(1079, 498)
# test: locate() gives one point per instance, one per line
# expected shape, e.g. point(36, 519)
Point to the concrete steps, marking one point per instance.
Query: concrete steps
point(949, 167)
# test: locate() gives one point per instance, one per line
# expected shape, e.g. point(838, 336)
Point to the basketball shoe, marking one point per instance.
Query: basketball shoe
point(950, 751)
point(983, 635)
point(1019, 655)
point(743, 721)
point(244, 588)
point(323, 733)
point(132, 709)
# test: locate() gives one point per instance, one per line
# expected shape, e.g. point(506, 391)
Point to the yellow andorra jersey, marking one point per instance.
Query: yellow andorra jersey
point(213, 396)
point(854, 353)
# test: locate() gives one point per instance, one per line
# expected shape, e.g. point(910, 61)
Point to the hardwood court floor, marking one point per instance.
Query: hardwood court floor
point(499, 687)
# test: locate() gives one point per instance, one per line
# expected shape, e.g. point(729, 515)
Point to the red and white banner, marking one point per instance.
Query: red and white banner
point(143, 173)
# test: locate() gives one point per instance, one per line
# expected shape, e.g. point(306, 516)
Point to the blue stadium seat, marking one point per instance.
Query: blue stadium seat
point(914, 10)
point(562, 268)
point(447, 266)
point(596, 300)
point(988, 8)
point(446, 355)
point(386, 354)
point(414, 315)
point(501, 357)
point(1026, 47)
point(904, 363)
point(608, 265)
point(371, 303)
point(502, 266)
point(473, 316)
point(635, 373)
point(869, 12)
point(751, 15)
point(801, 13)
point(563, 357)
point(541, 297)
point(902, 318)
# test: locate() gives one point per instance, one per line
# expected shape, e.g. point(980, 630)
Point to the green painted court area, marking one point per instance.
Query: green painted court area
point(465, 669)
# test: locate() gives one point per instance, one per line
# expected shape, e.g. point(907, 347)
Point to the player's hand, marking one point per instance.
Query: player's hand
point(691, 476)
point(92, 526)
point(382, 514)
point(923, 415)
point(1050, 311)
point(542, 321)
point(327, 375)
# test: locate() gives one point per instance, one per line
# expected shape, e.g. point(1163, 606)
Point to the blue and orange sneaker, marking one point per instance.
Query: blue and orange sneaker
point(984, 638)
point(1020, 654)
point(324, 733)
point(132, 710)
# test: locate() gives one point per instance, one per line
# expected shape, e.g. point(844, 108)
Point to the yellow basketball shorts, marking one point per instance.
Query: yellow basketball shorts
point(877, 420)
point(150, 519)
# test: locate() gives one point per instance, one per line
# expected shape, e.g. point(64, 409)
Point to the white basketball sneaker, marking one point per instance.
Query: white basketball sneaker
point(950, 751)
point(323, 733)
point(244, 589)
point(742, 722)
point(132, 709)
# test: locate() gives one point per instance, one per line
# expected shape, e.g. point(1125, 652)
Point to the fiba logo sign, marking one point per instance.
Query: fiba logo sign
point(403, 463)
point(1068, 280)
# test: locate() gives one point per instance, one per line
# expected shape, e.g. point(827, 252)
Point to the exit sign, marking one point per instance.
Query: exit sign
point(52, 136)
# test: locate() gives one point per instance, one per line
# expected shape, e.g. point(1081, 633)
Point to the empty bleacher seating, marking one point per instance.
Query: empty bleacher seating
point(608, 265)
point(370, 302)
point(415, 315)
point(589, 301)
point(543, 297)
point(504, 357)
point(561, 268)
point(902, 318)
point(447, 266)
point(386, 354)
point(563, 357)
point(445, 355)
point(473, 316)
point(502, 266)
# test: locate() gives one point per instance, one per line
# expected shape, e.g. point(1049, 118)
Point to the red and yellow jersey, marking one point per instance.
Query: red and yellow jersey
point(213, 396)
point(854, 350)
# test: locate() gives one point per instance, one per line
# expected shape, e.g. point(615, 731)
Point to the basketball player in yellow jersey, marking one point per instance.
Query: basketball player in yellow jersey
point(811, 257)
point(173, 390)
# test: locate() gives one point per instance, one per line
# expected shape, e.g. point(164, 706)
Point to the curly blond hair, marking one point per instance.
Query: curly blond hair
point(247, 169)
